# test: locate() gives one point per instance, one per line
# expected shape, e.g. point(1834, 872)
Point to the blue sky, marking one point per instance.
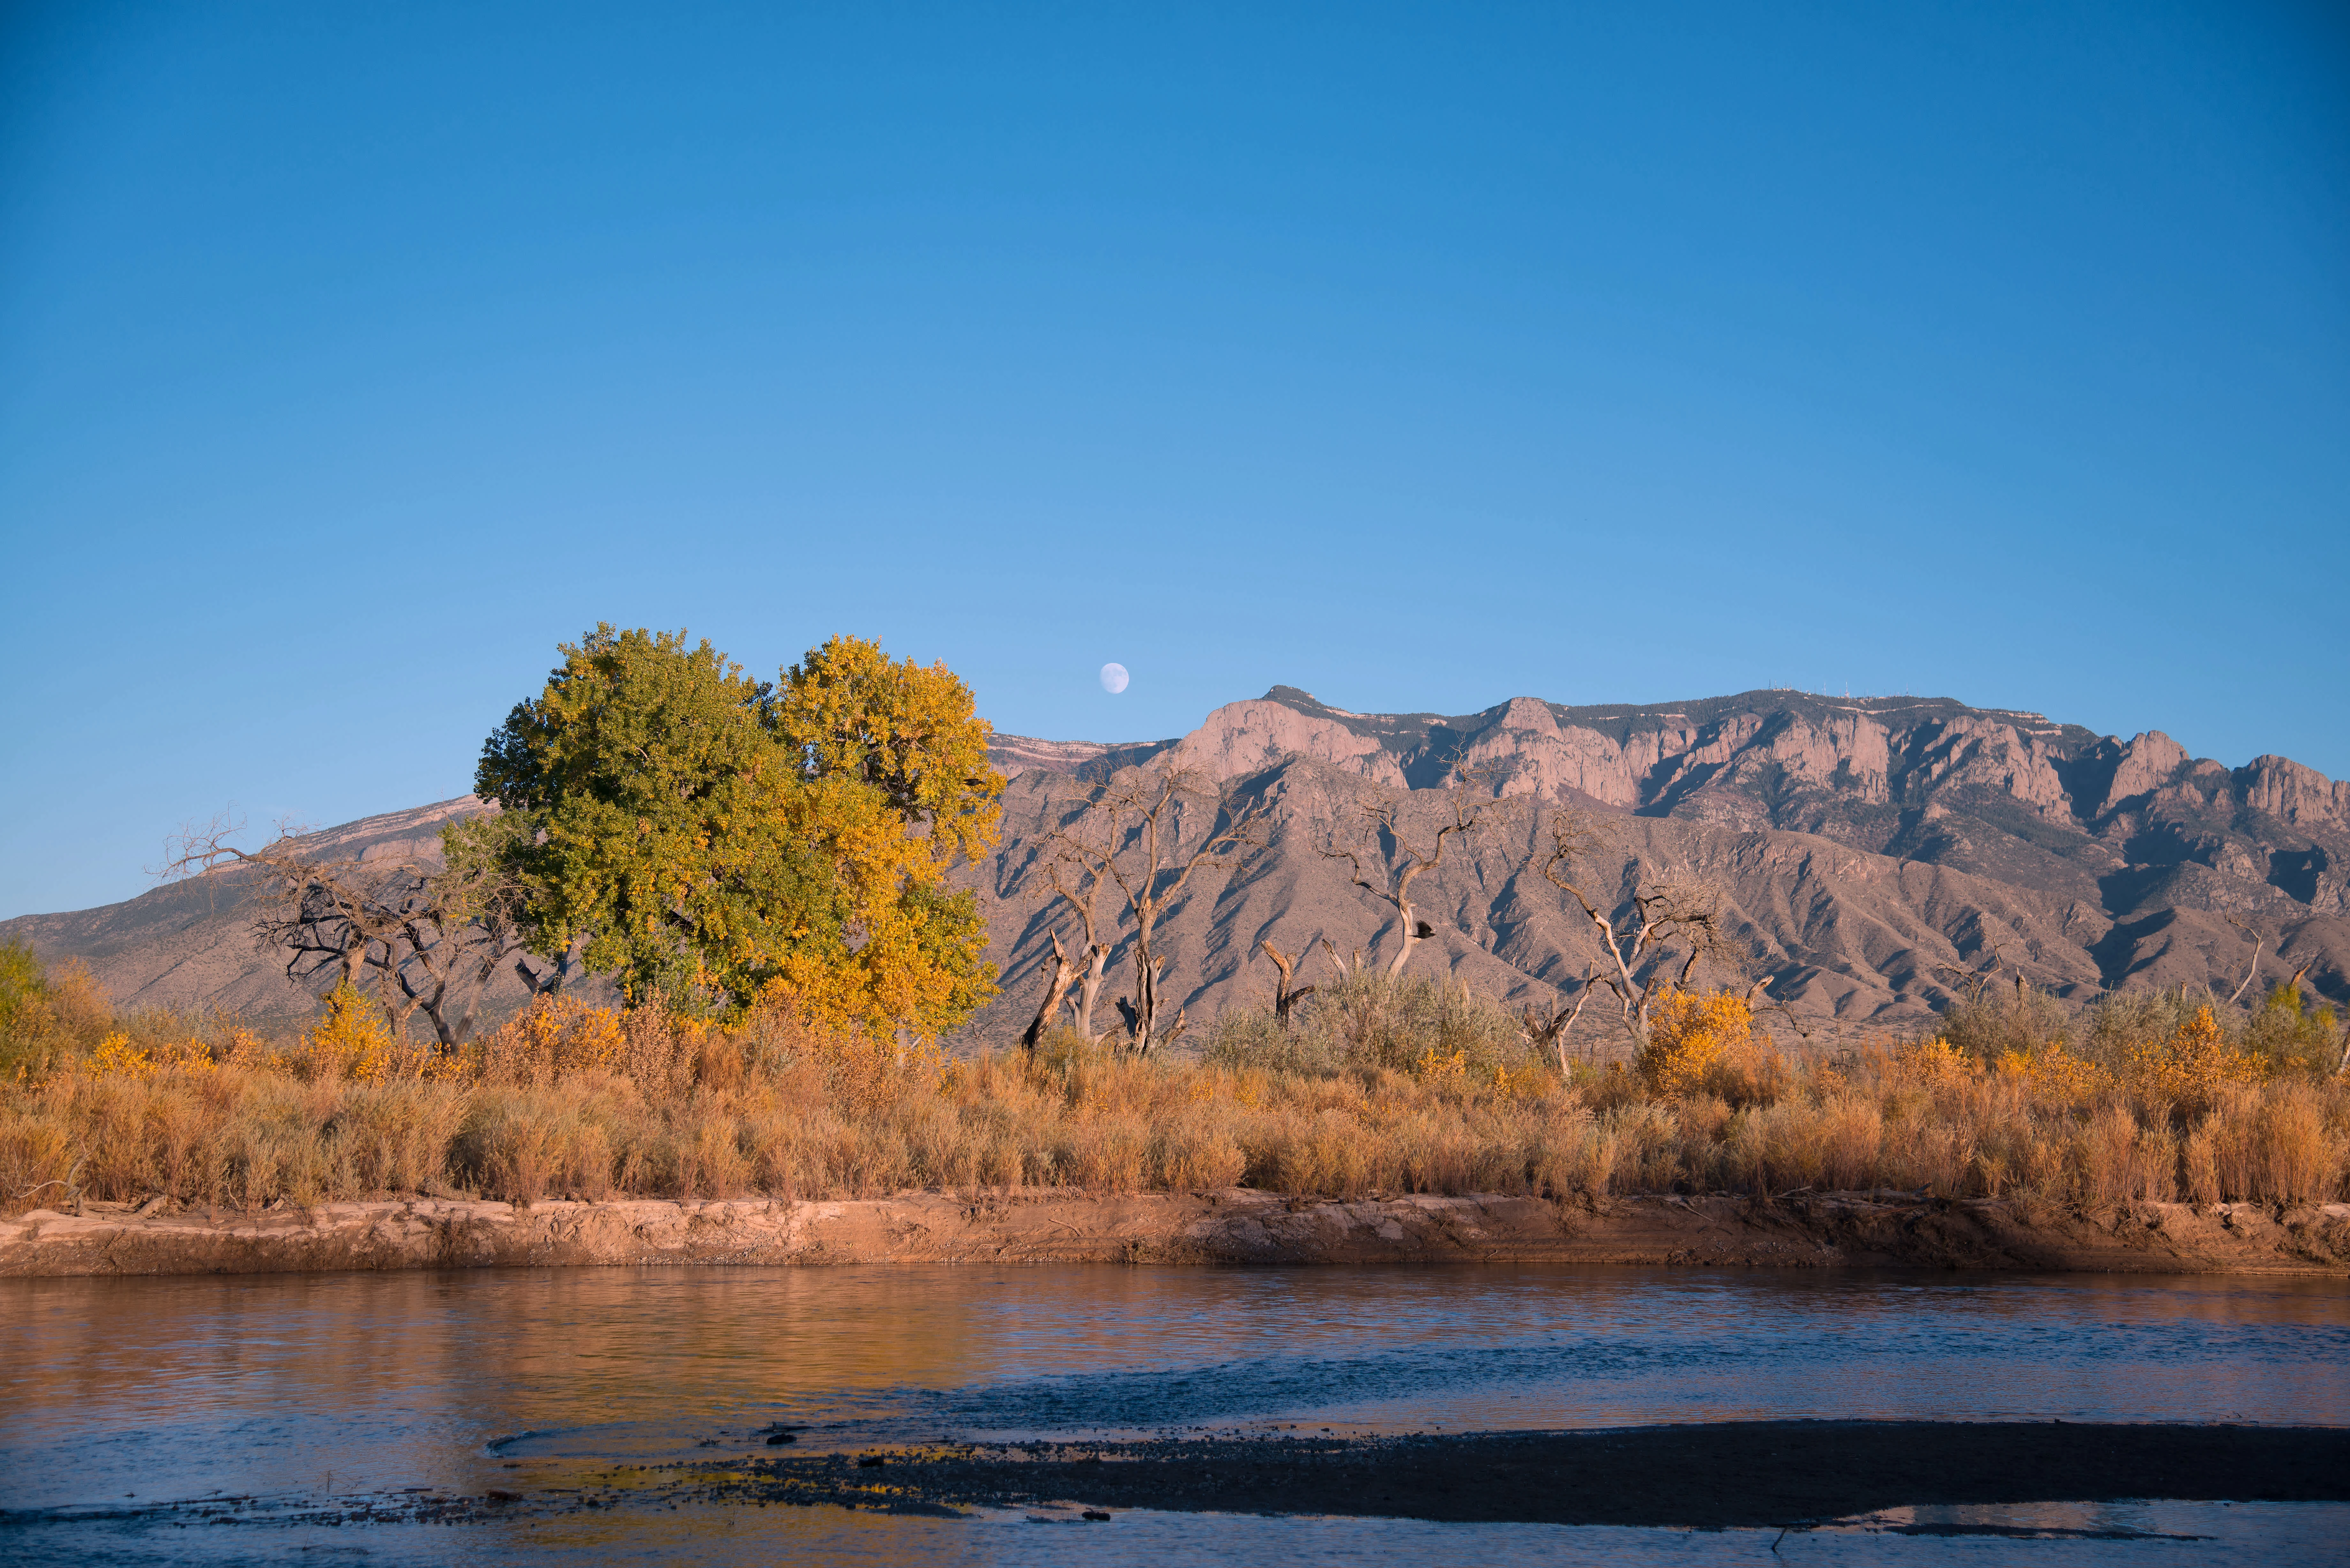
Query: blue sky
point(351, 357)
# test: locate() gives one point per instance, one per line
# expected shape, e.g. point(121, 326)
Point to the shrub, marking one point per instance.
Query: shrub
point(2054, 1070)
point(1371, 1020)
point(46, 1014)
point(2291, 1036)
point(2001, 1020)
point(1411, 1089)
point(2193, 1065)
point(1689, 1033)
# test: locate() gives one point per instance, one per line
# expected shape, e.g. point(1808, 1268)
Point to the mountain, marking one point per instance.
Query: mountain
point(1857, 845)
point(189, 944)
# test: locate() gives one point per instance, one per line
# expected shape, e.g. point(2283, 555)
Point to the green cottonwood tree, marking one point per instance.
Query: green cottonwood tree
point(672, 822)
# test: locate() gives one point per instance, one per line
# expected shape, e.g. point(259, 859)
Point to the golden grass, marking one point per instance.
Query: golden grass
point(567, 1100)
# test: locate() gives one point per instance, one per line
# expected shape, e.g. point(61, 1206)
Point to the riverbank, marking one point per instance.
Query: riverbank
point(1234, 1225)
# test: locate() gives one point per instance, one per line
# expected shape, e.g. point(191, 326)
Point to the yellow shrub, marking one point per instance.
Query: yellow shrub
point(1443, 1071)
point(1938, 1058)
point(114, 1057)
point(557, 1037)
point(2193, 1065)
point(1523, 1084)
point(1690, 1031)
point(352, 1038)
point(1244, 1086)
point(244, 1049)
point(2054, 1070)
point(186, 1056)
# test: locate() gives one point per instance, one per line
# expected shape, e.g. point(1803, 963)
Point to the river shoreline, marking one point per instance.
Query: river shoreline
point(1231, 1227)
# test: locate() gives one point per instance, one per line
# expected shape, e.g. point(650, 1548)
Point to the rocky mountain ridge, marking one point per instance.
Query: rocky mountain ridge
point(1919, 779)
point(1864, 847)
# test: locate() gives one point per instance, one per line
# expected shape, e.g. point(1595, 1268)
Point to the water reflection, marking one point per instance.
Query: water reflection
point(119, 1391)
point(2123, 1535)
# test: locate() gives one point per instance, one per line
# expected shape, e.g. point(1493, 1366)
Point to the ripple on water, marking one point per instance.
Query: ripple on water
point(320, 1385)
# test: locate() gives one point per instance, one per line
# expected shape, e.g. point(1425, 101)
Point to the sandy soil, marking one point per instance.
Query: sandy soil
point(1807, 1230)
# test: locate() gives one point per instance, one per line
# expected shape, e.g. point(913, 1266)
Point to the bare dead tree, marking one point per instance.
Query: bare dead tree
point(2259, 940)
point(1347, 967)
point(561, 970)
point(1548, 1029)
point(1386, 864)
point(1063, 972)
point(1972, 979)
point(1665, 919)
point(419, 938)
point(1075, 883)
point(1287, 992)
point(1132, 835)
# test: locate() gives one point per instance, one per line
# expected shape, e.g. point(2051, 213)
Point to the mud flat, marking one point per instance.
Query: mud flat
point(1232, 1227)
point(1719, 1475)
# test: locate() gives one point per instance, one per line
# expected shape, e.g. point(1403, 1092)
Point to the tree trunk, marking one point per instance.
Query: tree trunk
point(1064, 972)
point(1415, 931)
point(2251, 972)
point(1286, 995)
point(1089, 989)
point(1550, 1033)
point(1144, 1021)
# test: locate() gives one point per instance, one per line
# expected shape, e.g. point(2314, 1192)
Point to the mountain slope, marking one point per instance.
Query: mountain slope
point(190, 944)
point(1860, 845)
point(1857, 845)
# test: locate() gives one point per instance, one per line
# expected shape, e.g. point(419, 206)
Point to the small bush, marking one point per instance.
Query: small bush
point(46, 1014)
point(2290, 1036)
point(1370, 1021)
point(1689, 1033)
point(2191, 1067)
point(2003, 1020)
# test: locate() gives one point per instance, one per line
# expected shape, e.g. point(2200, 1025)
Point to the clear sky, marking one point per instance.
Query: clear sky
point(353, 356)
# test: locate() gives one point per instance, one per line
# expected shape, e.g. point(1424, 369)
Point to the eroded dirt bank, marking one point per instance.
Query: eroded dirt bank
point(1228, 1227)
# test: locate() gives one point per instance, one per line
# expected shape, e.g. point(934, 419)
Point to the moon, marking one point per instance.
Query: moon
point(1113, 679)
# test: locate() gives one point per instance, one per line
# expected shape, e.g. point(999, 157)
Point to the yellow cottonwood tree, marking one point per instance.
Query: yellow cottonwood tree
point(908, 731)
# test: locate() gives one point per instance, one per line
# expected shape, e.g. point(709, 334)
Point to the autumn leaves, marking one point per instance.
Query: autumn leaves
point(717, 840)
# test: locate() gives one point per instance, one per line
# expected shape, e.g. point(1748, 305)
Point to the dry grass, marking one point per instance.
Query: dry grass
point(1380, 1088)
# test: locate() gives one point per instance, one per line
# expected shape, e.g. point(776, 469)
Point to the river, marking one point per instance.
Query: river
point(125, 1396)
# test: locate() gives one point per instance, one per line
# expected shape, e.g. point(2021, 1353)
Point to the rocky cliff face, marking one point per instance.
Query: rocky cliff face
point(1859, 846)
point(2007, 794)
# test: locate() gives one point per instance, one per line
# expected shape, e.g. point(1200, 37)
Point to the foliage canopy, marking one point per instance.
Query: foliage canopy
point(710, 837)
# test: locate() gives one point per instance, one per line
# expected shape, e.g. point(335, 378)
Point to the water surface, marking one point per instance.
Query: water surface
point(122, 1392)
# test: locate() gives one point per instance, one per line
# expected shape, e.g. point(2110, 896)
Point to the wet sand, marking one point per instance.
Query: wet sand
point(1790, 1475)
point(1722, 1475)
